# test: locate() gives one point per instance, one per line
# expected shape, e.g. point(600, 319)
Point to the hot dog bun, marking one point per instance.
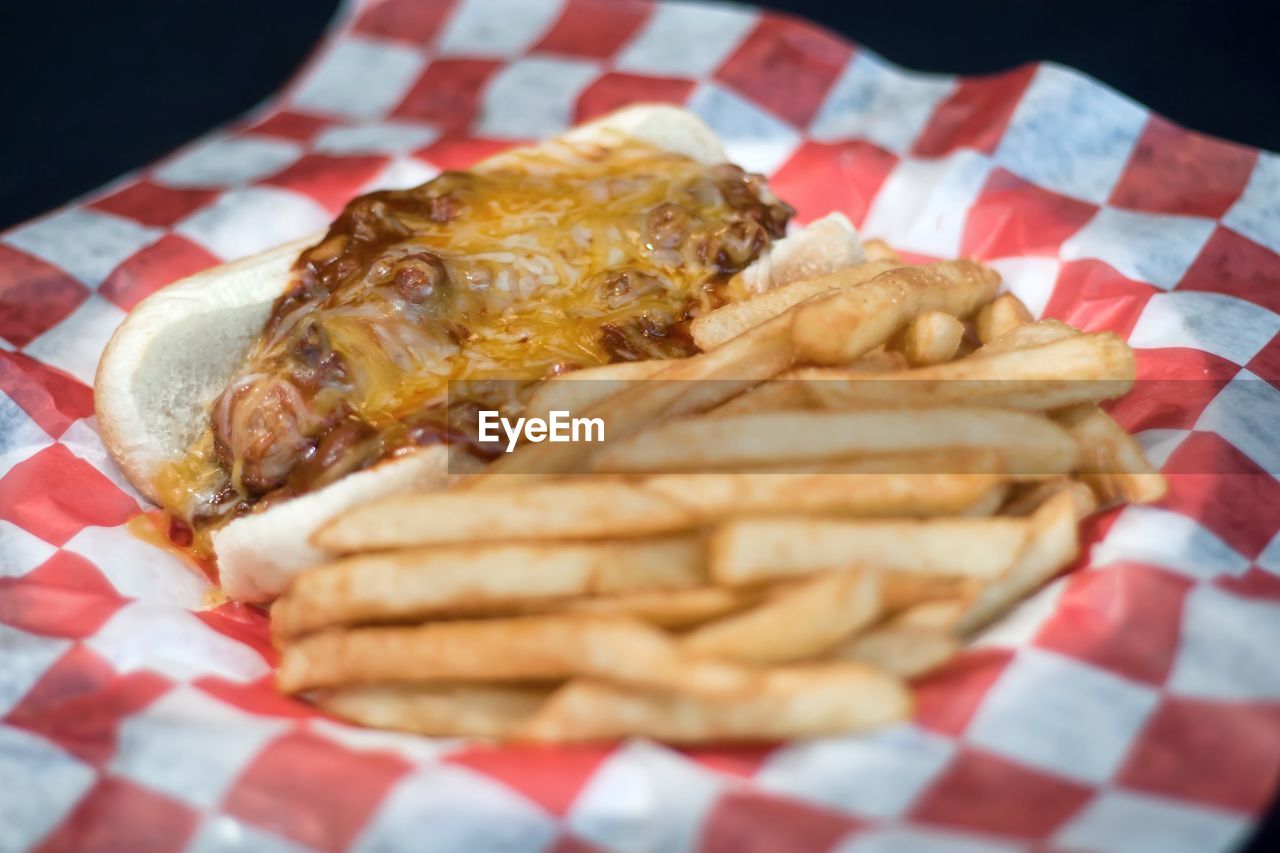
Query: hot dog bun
point(178, 348)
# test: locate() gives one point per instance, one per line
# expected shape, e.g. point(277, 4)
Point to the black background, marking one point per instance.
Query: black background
point(91, 90)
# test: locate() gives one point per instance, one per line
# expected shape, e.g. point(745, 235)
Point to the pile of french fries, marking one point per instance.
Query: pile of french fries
point(857, 473)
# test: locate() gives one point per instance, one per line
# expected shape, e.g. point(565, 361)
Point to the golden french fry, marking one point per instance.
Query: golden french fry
point(795, 701)
point(907, 652)
point(784, 393)
point(579, 390)
point(876, 249)
point(904, 474)
point(668, 608)
point(753, 551)
point(694, 384)
point(771, 396)
point(527, 648)
point(882, 361)
point(794, 623)
point(479, 579)
point(858, 491)
point(599, 508)
point(1052, 544)
point(1032, 445)
point(1034, 495)
point(838, 328)
point(715, 327)
point(988, 504)
point(1112, 464)
point(484, 711)
point(980, 489)
point(959, 460)
point(998, 316)
point(1029, 335)
point(931, 337)
point(1081, 368)
point(903, 590)
point(607, 507)
point(941, 615)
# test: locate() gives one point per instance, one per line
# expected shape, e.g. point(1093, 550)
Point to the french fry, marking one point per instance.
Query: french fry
point(1080, 368)
point(988, 504)
point(876, 249)
point(527, 648)
point(715, 327)
point(1029, 335)
point(838, 328)
point(673, 609)
point(796, 701)
point(906, 651)
point(932, 337)
point(608, 507)
point(1052, 544)
point(903, 590)
point(579, 390)
point(483, 711)
point(973, 494)
point(1034, 495)
point(940, 615)
point(694, 384)
point(876, 361)
point(1000, 315)
point(785, 393)
point(958, 460)
point(794, 623)
point(858, 491)
point(1113, 464)
point(479, 579)
point(1032, 445)
point(600, 508)
point(771, 396)
point(748, 552)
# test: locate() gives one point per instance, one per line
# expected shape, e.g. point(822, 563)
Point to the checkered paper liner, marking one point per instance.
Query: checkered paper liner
point(1134, 704)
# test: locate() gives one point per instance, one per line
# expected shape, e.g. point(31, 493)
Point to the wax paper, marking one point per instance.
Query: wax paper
point(1132, 705)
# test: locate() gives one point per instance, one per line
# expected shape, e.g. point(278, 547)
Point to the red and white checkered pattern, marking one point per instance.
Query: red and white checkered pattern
point(1133, 705)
